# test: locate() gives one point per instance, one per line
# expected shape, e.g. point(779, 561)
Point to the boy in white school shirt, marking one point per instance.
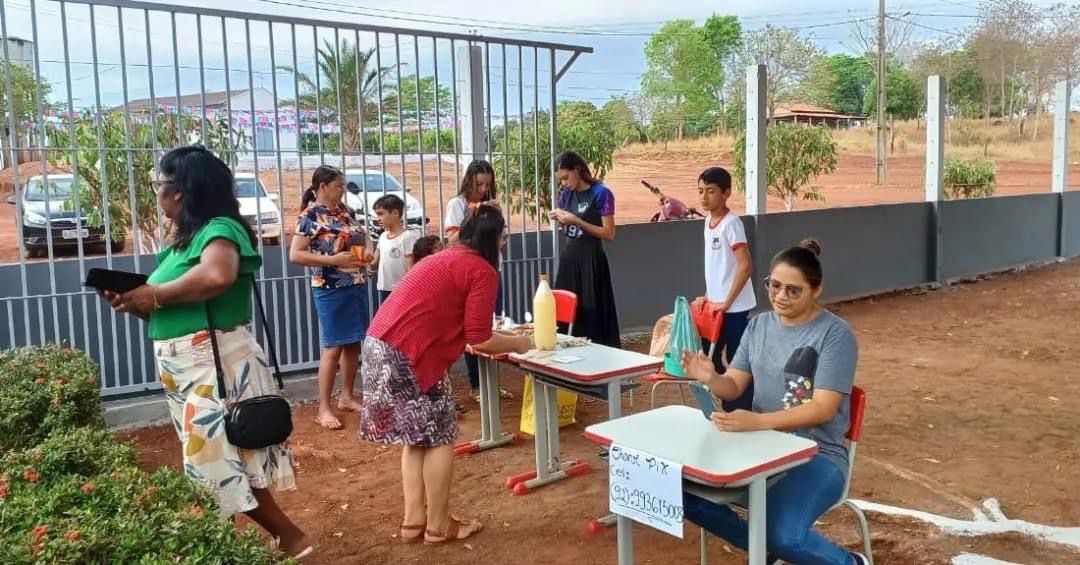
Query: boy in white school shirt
point(394, 254)
point(727, 271)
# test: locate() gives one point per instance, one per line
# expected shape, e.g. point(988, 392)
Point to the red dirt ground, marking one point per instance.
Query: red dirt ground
point(851, 185)
point(971, 395)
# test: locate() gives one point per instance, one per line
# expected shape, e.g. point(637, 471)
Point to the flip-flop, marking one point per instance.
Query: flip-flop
point(452, 532)
point(420, 529)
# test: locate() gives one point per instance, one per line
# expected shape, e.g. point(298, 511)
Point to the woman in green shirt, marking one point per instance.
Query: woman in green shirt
point(209, 265)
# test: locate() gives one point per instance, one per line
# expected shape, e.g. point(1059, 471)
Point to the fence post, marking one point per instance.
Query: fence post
point(935, 168)
point(756, 181)
point(1060, 177)
point(470, 79)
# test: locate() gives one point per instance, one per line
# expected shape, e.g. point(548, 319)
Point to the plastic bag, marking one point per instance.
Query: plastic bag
point(661, 337)
point(567, 408)
point(684, 337)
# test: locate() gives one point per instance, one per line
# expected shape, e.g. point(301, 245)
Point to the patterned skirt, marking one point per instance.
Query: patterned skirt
point(188, 374)
point(395, 411)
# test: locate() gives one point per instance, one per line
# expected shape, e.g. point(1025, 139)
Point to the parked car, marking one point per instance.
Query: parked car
point(259, 208)
point(365, 186)
point(49, 207)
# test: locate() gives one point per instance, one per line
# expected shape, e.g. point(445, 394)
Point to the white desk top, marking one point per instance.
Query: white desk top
point(681, 434)
point(598, 364)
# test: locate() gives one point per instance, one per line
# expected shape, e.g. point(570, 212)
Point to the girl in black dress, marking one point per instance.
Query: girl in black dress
point(586, 211)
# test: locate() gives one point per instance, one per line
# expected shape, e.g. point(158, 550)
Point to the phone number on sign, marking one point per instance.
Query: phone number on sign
point(646, 502)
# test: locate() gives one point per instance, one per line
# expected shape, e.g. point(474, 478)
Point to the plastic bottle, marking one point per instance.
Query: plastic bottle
point(544, 325)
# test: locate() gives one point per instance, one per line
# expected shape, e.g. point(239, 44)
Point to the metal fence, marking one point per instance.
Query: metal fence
point(113, 84)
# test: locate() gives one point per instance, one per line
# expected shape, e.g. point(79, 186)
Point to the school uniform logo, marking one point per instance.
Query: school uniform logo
point(395, 253)
point(582, 206)
point(716, 245)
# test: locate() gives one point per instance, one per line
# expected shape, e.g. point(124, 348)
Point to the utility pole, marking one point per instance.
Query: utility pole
point(881, 73)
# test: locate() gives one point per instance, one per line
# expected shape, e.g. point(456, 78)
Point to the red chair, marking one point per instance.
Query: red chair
point(565, 308)
point(709, 321)
point(858, 412)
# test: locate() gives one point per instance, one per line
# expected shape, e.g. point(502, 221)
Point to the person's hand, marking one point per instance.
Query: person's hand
point(524, 344)
point(737, 421)
point(699, 303)
point(369, 258)
point(141, 300)
point(563, 217)
point(698, 366)
point(345, 260)
point(114, 299)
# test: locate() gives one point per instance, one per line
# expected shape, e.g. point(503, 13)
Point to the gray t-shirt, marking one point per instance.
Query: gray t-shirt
point(789, 363)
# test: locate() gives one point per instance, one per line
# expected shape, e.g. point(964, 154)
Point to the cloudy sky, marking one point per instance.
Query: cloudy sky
point(615, 29)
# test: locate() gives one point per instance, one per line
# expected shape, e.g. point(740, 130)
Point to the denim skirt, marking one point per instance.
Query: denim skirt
point(343, 314)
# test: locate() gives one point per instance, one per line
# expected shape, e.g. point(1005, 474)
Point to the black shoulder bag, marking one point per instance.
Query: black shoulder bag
point(260, 421)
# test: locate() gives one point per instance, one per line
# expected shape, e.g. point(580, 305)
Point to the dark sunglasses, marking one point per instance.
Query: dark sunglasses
point(792, 291)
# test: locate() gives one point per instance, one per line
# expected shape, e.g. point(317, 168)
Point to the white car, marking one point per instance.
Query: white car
point(365, 186)
point(259, 208)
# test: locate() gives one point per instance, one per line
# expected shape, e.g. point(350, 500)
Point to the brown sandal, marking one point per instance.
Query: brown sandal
point(407, 536)
point(457, 530)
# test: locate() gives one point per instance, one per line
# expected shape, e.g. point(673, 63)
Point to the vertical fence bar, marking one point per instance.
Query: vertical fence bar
point(280, 205)
point(935, 167)
point(318, 95)
point(438, 135)
point(176, 77)
point(76, 193)
point(360, 101)
point(458, 129)
point(202, 80)
point(537, 152)
point(132, 202)
point(419, 138)
point(521, 150)
point(303, 301)
point(39, 106)
point(380, 125)
point(485, 112)
point(337, 92)
point(400, 120)
point(155, 146)
point(553, 139)
point(260, 190)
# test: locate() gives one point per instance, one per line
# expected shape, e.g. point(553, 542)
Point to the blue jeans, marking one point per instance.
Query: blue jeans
point(383, 296)
point(734, 326)
point(794, 503)
point(472, 364)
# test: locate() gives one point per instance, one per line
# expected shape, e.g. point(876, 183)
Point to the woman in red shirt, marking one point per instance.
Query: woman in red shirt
point(444, 303)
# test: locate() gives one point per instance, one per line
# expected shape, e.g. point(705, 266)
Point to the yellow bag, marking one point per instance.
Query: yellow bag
point(567, 408)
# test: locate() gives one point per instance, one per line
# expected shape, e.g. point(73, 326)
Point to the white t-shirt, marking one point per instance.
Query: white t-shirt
point(721, 242)
point(455, 213)
point(393, 252)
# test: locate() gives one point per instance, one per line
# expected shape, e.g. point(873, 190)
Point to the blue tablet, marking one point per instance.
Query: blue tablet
point(705, 399)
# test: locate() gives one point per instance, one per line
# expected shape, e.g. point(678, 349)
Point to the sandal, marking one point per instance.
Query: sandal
point(456, 531)
point(407, 536)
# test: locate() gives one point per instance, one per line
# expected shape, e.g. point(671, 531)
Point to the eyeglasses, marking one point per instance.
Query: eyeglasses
point(160, 185)
point(792, 291)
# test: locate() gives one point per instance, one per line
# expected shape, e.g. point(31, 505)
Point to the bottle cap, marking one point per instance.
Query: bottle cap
point(544, 277)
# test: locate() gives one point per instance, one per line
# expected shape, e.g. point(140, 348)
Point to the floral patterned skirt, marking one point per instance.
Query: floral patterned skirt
point(188, 374)
point(395, 411)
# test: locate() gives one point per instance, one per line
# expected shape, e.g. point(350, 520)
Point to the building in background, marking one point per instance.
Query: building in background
point(798, 113)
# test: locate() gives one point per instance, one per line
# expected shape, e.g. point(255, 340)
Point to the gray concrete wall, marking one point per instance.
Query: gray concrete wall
point(992, 234)
point(1070, 216)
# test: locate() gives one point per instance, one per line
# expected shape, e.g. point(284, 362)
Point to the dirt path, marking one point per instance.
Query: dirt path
point(971, 395)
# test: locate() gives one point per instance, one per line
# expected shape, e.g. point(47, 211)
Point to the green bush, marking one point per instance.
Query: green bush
point(45, 389)
point(70, 493)
point(969, 179)
point(127, 516)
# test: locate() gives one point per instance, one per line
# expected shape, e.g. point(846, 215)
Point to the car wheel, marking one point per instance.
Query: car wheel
point(31, 252)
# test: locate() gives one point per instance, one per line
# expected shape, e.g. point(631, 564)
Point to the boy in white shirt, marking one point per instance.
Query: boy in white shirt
point(394, 254)
point(727, 271)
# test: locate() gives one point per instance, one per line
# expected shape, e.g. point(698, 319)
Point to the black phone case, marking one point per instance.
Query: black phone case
point(114, 281)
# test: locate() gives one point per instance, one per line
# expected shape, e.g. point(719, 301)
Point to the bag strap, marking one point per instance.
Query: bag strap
point(217, 351)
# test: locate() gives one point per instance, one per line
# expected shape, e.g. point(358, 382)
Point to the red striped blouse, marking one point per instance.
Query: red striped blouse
point(445, 302)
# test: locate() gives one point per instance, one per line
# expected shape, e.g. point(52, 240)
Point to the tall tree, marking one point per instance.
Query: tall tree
point(408, 88)
point(618, 113)
point(23, 98)
point(786, 54)
point(901, 96)
point(839, 82)
point(343, 70)
point(684, 73)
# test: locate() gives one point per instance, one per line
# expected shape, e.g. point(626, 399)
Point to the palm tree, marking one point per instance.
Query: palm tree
point(338, 71)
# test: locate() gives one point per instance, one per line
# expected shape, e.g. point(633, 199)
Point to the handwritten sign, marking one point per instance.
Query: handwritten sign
point(646, 489)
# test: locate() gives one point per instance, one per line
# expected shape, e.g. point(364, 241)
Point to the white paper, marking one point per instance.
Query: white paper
point(566, 359)
point(646, 489)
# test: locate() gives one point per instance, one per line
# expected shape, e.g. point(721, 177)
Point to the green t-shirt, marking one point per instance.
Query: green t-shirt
point(231, 309)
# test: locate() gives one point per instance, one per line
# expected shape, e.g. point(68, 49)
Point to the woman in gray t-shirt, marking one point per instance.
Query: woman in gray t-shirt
point(801, 360)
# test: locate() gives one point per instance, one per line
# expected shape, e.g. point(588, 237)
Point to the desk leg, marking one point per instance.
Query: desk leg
point(614, 412)
point(491, 434)
point(549, 464)
point(756, 510)
point(625, 536)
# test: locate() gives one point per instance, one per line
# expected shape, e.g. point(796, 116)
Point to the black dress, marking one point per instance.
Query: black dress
point(583, 266)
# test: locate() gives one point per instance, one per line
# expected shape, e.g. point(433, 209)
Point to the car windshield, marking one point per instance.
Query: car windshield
point(55, 189)
point(374, 182)
point(248, 188)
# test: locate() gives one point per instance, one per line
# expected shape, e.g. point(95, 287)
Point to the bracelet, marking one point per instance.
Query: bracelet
point(153, 291)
